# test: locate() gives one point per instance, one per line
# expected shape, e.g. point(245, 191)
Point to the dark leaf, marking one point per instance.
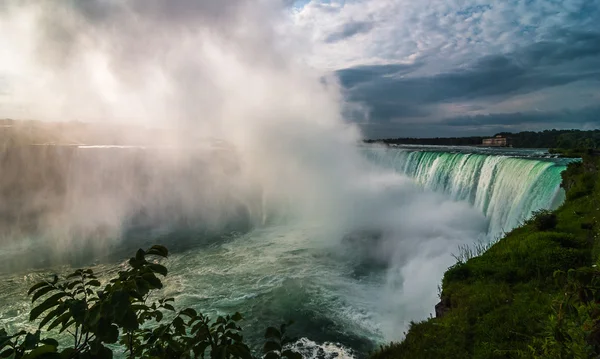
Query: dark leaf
point(200, 330)
point(134, 263)
point(53, 314)
point(50, 302)
point(66, 325)
point(111, 335)
point(77, 273)
point(235, 337)
point(49, 341)
point(31, 340)
point(160, 269)
point(152, 280)
point(74, 283)
point(189, 312)
point(104, 352)
point(158, 315)
point(94, 283)
point(40, 351)
point(158, 250)
point(272, 332)
point(236, 317)
point(200, 348)
point(78, 309)
point(139, 255)
point(240, 351)
point(291, 354)
point(272, 355)
point(68, 353)
point(142, 285)
point(179, 326)
point(130, 320)
point(63, 319)
point(174, 345)
point(41, 292)
point(37, 286)
point(271, 346)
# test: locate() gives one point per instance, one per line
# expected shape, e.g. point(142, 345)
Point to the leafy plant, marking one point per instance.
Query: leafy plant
point(122, 316)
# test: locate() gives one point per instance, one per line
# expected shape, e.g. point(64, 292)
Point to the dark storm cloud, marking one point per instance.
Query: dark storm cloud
point(356, 75)
point(589, 116)
point(535, 67)
point(487, 125)
point(391, 92)
point(349, 29)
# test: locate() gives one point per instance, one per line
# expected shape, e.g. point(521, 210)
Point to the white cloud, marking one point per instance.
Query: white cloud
point(440, 32)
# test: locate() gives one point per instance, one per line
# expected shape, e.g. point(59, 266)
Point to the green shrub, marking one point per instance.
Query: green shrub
point(122, 315)
point(543, 220)
point(458, 272)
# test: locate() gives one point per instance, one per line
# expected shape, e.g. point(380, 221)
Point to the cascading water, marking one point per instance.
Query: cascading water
point(356, 277)
point(349, 249)
point(507, 189)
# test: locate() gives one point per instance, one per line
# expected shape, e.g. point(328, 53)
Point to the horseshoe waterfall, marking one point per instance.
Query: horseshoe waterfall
point(506, 188)
point(352, 253)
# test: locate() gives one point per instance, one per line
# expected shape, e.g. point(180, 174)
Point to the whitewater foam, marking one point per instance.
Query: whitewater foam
point(505, 188)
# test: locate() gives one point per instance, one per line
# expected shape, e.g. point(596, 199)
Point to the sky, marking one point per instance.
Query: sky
point(460, 67)
point(417, 68)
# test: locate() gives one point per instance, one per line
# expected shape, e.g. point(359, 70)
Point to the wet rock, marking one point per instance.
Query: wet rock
point(442, 308)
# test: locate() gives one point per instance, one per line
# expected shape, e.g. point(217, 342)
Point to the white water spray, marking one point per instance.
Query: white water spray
point(219, 69)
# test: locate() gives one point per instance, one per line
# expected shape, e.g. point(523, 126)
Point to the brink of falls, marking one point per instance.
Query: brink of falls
point(504, 188)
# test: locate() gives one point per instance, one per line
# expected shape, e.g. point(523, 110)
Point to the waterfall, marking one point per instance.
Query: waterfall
point(507, 189)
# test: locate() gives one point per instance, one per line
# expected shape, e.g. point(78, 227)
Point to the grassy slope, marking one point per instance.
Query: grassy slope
point(503, 303)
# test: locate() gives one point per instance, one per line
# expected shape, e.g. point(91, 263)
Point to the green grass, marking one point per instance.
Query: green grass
point(503, 303)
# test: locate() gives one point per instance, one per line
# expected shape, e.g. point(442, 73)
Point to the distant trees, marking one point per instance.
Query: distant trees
point(564, 139)
point(438, 141)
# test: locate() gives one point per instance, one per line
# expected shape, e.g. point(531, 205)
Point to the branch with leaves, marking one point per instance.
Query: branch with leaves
point(120, 315)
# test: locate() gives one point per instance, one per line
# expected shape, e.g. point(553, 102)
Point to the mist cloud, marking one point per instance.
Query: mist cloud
point(214, 69)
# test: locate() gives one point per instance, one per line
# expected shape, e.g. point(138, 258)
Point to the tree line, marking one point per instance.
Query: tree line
point(565, 139)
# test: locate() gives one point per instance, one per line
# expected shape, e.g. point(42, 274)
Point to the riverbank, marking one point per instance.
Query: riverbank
point(511, 301)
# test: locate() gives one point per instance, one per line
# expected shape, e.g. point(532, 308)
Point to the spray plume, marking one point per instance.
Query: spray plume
point(205, 70)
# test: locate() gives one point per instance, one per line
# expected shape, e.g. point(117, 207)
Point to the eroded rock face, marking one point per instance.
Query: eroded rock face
point(442, 308)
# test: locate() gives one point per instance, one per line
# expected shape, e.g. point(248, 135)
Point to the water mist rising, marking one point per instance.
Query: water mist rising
point(219, 69)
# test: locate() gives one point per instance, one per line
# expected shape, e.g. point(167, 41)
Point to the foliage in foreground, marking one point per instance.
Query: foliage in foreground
point(121, 316)
point(534, 294)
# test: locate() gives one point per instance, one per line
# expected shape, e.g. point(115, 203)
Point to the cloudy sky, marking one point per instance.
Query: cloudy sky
point(461, 67)
point(411, 68)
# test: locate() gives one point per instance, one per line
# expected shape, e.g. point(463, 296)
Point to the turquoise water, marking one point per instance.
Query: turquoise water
point(350, 285)
point(505, 185)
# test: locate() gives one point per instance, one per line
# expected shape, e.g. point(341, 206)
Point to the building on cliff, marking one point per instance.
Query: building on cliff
point(498, 141)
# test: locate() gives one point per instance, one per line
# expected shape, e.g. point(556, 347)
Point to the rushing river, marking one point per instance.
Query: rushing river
point(348, 286)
